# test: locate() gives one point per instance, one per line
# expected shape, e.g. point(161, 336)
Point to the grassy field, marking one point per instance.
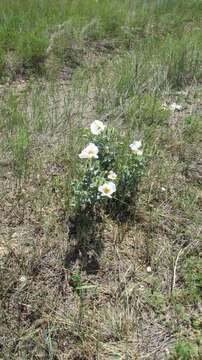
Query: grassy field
point(134, 290)
point(32, 32)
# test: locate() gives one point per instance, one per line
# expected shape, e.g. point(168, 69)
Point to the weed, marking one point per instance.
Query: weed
point(19, 145)
point(12, 117)
point(191, 278)
point(186, 351)
point(110, 174)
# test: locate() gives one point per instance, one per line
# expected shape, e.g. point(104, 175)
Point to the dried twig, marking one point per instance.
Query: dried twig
point(180, 253)
point(175, 269)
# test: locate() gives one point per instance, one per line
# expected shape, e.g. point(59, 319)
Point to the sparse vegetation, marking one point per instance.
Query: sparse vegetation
point(72, 285)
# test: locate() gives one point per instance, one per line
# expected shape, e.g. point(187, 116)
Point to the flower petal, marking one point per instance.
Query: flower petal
point(97, 127)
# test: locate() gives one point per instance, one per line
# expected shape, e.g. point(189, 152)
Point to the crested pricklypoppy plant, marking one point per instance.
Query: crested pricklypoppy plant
point(109, 171)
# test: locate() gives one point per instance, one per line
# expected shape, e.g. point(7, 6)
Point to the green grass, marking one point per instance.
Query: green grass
point(119, 64)
point(29, 30)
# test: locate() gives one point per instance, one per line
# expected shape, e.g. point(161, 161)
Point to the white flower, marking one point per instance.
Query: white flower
point(175, 107)
point(149, 269)
point(136, 147)
point(89, 152)
point(97, 127)
point(107, 189)
point(112, 175)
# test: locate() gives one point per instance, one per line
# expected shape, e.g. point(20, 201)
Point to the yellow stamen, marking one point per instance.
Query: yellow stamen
point(106, 190)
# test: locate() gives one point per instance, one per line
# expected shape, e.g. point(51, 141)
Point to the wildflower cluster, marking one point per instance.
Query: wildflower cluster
point(110, 169)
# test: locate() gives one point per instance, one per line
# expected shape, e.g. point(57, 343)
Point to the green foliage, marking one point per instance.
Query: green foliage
point(182, 60)
point(192, 130)
point(2, 61)
point(32, 51)
point(116, 156)
point(75, 282)
point(12, 117)
point(27, 28)
point(19, 145)
point(144, 110)
point(192, 280)
point(185, 350)
point(136, 80)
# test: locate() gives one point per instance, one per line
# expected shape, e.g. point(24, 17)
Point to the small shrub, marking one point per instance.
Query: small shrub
point(109, 173)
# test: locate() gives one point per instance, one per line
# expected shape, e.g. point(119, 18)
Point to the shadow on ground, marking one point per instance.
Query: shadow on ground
point(85, 243)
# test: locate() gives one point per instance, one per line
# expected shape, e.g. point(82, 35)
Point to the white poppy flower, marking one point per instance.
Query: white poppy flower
point(107, 189)
point(112, 175)
point(136, 147)
point(149, 269)
point(175, 107)
point(89, 152)
point(97, 127)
